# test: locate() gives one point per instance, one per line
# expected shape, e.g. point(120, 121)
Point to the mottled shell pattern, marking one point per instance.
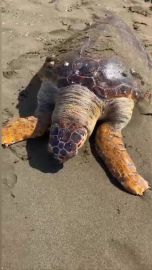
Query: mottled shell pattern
point(107, 58)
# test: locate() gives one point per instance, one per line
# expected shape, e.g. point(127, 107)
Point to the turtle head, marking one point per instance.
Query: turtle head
point(74, 117)
point(65, 140)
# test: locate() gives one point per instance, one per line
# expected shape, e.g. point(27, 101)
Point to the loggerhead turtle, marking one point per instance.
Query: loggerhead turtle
point(98, 75)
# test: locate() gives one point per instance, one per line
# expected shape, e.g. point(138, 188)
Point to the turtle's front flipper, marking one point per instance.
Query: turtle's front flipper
point(23, 129)
point(32, 127)
point(111, 148)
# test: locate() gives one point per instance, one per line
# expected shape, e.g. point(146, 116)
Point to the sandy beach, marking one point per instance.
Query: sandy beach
point(76, 216)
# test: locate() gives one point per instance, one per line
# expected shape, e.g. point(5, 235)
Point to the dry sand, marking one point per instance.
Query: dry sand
point(76, 217)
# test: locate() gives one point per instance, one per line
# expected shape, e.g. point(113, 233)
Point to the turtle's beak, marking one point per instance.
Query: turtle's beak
point(62, 160)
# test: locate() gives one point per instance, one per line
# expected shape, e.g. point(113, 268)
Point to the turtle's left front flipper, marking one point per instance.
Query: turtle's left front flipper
point(23, 129)
point(111, 149)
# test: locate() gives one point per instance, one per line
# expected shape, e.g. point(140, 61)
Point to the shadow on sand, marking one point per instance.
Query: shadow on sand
point(37, 153)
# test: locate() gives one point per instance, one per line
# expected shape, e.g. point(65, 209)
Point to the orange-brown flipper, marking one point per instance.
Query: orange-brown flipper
point(23, 129)
point(111, 148)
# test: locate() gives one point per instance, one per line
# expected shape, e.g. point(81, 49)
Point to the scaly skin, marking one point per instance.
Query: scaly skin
point(111, 149)
point(25, 128)
point(19, 130)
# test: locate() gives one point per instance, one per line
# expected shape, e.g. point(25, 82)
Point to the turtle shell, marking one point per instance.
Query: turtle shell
point(107, 58)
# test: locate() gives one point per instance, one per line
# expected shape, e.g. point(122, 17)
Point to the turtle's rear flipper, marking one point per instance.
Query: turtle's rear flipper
point(111, 148)
point(22, 129)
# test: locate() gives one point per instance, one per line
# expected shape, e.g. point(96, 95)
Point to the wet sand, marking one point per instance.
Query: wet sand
point(75, 217)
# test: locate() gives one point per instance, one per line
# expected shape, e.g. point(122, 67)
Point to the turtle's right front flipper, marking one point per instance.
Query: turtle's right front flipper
point(19, 130)
point(32, 127)
point(24, 128)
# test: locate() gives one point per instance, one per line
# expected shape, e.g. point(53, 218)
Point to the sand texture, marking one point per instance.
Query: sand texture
point(76, 216)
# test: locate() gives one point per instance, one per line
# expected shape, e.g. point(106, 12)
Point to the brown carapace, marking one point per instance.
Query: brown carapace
point(98, 74)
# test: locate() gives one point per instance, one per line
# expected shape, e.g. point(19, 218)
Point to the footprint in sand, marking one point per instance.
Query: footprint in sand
point(9, 178)
point(26, 62)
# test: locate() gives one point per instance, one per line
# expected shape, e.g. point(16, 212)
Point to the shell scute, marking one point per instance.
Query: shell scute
point(85, 67)
point(107, 58)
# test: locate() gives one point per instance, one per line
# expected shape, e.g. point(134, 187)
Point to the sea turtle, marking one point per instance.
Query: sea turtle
point(97, 75)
